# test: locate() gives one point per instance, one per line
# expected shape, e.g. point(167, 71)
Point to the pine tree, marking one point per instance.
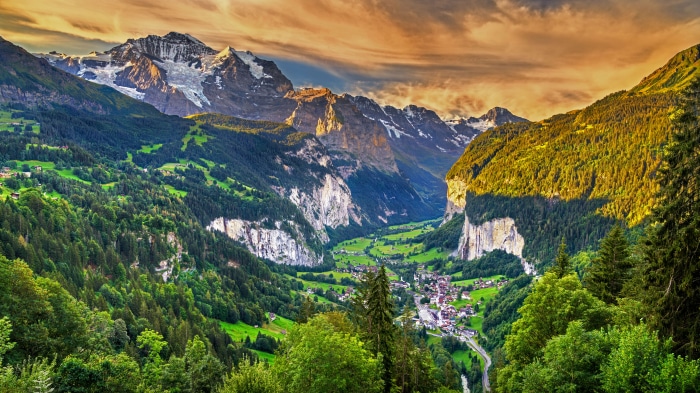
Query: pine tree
point(672, 251)
point(380, 314)
point(307, 310)
point(611, 268)
point(562, 263)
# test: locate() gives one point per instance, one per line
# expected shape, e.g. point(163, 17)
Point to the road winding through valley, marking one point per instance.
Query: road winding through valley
point(424, 314)
point(487, 363)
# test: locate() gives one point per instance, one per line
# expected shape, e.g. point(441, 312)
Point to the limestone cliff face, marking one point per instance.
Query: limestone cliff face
point(329, 201)
point(456, 194)
point(497, 234)
point(341, 126)
point(329, 205)
point(273, 244)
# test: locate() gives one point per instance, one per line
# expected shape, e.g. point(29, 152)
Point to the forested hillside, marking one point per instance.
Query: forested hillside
point(628, 320)
point(110, 281)
point(575, 174)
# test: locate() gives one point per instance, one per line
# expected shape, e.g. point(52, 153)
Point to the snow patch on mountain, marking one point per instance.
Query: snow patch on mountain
point(481, 125)
point(255, 69)
point(107, 75)
point(391, 128)
point(186, 79)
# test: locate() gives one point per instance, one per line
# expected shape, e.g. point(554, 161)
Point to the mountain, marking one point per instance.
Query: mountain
point(574, 174)
point(674, 75)
point(25, 80)
point(180, 75)
point(424, 145)
point(101, 243)
point(278, 185)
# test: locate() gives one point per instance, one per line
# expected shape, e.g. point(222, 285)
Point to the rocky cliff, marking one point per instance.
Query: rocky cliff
point(329, 202)
point(180, 75)
point(338, 123)
point(497, 234)
point(329, 205)
point(274, 244)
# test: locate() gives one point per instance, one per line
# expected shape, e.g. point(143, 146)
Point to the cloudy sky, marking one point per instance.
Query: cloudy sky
point(458, 57)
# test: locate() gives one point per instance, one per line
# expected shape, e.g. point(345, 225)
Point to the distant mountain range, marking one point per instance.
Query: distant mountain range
point(180, 75)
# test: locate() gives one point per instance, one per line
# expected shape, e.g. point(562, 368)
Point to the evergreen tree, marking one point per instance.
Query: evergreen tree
point(380, 314)
point(611, 268)
point(308, 309)
point(672, 252)
point(562, 263)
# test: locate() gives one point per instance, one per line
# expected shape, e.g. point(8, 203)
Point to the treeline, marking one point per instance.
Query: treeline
point(446, 235)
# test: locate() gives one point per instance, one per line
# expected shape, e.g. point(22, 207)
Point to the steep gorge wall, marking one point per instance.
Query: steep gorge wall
point(328, 205)
point(273, 244)
point(497, 234)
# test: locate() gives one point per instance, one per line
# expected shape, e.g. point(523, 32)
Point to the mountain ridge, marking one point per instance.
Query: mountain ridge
point(180, 75)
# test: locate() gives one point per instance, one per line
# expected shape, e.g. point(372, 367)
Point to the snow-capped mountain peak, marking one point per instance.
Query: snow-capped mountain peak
point(179, 74)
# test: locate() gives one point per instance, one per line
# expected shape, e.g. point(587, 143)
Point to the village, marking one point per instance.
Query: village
point(433, 295)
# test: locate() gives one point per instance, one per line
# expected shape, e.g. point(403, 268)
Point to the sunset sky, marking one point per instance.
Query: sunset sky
point(535, 57)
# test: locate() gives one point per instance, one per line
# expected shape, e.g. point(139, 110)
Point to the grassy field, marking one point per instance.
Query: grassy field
point(315, 284)
point(192, 135)
point(463, 356)
point(264, 356)
point(470, 281)
point(239, 330)
point(47, 165)
point(427, 256)
point(6, 121)
point(354, 245)
point(149, 149)
point(407, 235)
point(175, 191)
point(343, 260)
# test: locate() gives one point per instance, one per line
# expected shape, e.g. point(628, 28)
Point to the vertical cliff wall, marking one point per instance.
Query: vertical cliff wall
point(497, 234)
point(273, 244)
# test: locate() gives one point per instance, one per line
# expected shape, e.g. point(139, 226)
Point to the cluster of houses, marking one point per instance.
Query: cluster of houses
point(439, 313)
point(357, 271)
point(7, 173)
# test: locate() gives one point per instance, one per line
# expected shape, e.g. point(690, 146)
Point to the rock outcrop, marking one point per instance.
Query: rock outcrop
point(329, 205)
point(273, 244)
point(338, 123)
point(498, 234)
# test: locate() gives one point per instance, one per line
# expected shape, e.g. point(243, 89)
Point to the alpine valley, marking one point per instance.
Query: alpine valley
point(178, 218)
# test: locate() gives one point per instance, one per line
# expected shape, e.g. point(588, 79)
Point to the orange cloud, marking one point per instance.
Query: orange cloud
point(458, 57)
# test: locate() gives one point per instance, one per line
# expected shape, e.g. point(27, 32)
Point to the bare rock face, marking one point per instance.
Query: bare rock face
point(498, 234)
point(341, 126)
point(456, 197)
point(328, 204)
point(180, 75)
point(273, 244)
